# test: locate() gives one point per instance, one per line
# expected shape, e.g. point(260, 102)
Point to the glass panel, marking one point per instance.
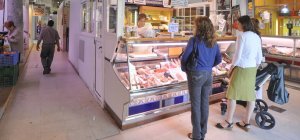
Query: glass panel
point(193, 11)
point(187, 21)
point(131, 15)
point(180, 12)
point(228, 20)
point(155, 64)
point(282, 46)
point(187, 12)
point(193, 20)
point(87, 13)
point(99, 17)
point(84, 17)
point(176, 12)
point(112, 22)
point(297, 53)
point(223, 4)
point(207, 10)
point(200, 11)
point(121, 65)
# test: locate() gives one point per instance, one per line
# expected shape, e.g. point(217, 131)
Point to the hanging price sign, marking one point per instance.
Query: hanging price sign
point(173, 27)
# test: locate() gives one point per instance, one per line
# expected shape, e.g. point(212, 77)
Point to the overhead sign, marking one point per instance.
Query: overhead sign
point(154, 2)
point(173, 27)
point(179, 3)
point(38, 10)
point(143, 2)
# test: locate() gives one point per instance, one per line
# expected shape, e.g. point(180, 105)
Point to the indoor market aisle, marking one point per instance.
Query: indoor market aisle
point(54, 107)
point(59, 107)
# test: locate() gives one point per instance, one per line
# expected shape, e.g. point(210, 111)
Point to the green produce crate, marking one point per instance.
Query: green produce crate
point(9, 75)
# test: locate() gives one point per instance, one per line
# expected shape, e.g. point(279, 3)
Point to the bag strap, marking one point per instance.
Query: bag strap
point(194, 49)
point(194, 52)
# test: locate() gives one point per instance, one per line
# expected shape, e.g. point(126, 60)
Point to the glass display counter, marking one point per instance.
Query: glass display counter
point(147, 82)
point(284, 50)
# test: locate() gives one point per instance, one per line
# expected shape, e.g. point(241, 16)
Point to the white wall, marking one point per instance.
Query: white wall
point(74, 32)
point(85, 67)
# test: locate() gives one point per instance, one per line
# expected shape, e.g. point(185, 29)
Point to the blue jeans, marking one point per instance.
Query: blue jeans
point(200, 87)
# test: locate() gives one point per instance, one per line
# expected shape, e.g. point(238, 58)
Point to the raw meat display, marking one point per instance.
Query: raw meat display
point(221, 69)
point(164, 73)
point(279, 50)
point(297, 54)
point(150, 76)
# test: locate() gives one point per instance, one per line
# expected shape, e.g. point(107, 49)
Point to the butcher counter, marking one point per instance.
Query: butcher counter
point(284, 49)
point(144, 81)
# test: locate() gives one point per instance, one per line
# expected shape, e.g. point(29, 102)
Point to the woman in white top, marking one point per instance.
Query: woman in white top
point(247, 58)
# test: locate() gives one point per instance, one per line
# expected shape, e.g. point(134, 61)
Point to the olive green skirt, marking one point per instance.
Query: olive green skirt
point(242, 84)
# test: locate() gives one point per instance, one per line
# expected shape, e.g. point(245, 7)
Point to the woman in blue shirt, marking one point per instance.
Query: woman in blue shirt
point(200, 78)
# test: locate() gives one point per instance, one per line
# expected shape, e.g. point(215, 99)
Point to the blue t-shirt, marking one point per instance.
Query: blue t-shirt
point(207, 57)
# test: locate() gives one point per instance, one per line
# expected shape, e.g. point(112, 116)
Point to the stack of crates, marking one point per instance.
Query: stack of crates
point(9, 69)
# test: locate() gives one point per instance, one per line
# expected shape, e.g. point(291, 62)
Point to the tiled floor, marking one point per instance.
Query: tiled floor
point(59, 107)
point(5, 91)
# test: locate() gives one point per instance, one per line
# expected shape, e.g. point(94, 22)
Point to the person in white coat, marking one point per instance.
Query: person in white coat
point(144, 29)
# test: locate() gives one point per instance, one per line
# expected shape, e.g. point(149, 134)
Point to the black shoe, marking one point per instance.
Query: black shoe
point(45, 72)
point(190, 136)
point(228, 127)
point(244, 126)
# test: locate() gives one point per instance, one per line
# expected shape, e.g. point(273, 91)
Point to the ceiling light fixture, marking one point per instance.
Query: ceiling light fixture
point(284, 9)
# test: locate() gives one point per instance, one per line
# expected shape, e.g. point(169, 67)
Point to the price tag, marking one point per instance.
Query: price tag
point(173, 27)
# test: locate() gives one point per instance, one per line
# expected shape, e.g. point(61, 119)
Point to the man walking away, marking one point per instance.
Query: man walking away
point(50, 37)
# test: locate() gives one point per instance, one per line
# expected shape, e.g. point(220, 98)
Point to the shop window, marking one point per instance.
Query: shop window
point(86, 16)
point(207, 9)
point(187, 16)
point(112, 18)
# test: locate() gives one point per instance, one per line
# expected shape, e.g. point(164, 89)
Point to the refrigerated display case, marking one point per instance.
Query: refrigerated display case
point(286, 50)
point(147, 82)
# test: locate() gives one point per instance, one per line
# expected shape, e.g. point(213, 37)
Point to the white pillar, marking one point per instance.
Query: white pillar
point(26, 24)
point(16, 16)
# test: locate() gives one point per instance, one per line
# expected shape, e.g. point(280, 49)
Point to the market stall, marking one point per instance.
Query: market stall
point(284, 49)
point(279, 23)
point(143, 77)
point(148, 81)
